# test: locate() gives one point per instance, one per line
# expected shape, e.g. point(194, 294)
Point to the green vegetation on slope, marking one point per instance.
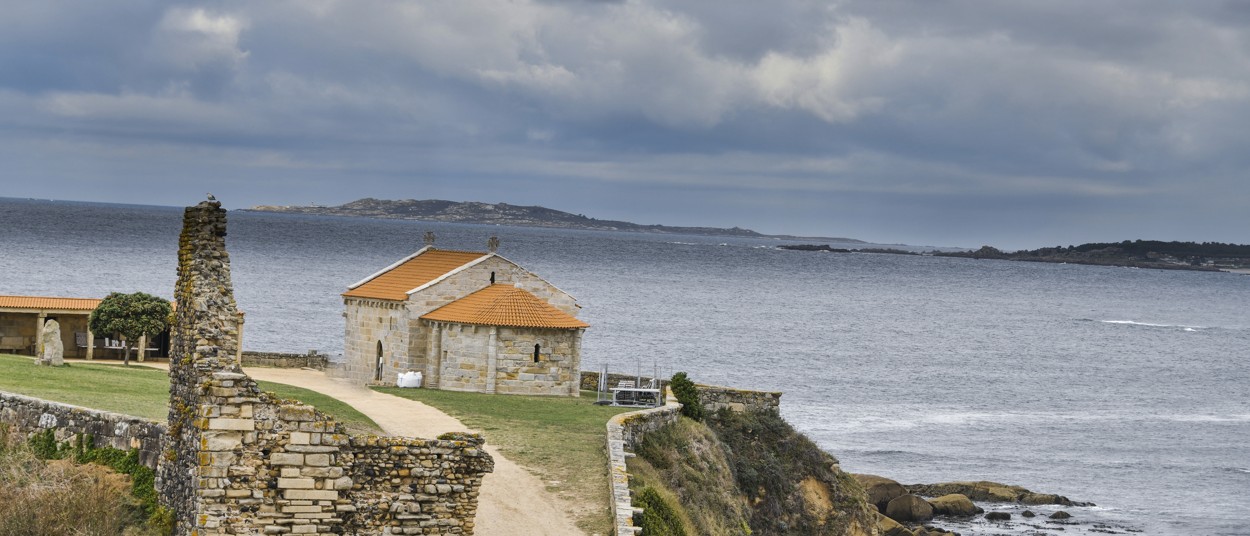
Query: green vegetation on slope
point(749, 473)
point(139, 391)
point(559, 438)
point(39, 498)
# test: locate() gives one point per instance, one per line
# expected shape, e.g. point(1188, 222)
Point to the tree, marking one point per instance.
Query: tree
point(131, 316)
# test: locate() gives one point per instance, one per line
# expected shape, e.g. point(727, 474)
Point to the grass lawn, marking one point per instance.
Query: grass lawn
point(561, 439)
point(138, 390)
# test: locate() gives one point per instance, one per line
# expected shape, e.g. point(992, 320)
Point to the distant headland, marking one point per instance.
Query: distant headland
point(506, 214)
point(1205, 256)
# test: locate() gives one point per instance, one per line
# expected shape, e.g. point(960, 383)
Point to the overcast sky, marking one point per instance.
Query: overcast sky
point(938, 122)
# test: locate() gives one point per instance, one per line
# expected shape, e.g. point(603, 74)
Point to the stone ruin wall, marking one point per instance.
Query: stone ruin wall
point(28, 416)
point(714, 398)
point(239, 461)
point(312, 360)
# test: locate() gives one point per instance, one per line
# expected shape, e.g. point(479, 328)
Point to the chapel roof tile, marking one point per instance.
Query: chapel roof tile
point(395, 282)
point(504, 305)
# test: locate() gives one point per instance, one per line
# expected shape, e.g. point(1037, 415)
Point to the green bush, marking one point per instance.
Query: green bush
point(82, 450)
point(658, 517)
point(688, 395)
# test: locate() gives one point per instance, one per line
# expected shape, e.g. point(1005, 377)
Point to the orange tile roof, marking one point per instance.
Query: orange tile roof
point(37, 302)
point(504, 305)
point(395, 282)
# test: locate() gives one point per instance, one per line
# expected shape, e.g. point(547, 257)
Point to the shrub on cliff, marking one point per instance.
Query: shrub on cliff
point(688, 395)
point(794, 487)
point(750, 474)
point(659, 517)
point(39, 498)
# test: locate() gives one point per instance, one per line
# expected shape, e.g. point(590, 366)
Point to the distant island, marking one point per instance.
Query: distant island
point(505, 214)
point(1206, 256)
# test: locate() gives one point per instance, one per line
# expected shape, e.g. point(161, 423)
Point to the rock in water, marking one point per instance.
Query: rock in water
point(954, 505)
point(890, 527)
point(998, 516)
point(909, 508)
point(53, 351)
point(880, 490)
point(1060, 515)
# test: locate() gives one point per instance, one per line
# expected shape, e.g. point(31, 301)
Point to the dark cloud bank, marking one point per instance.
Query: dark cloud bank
point(952, 123)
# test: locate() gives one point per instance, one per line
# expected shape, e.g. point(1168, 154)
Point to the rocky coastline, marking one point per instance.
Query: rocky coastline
point(942, 509)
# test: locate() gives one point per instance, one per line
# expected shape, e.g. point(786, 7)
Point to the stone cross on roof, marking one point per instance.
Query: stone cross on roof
point(429, 238)
point(492, 244)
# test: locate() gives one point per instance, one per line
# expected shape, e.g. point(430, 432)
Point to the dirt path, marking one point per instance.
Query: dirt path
point(513, 501)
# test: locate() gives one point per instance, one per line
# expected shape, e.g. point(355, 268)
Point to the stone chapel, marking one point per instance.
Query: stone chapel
point(467, 321)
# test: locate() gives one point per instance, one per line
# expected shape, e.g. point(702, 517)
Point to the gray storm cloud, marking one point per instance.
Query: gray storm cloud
point(955, 123)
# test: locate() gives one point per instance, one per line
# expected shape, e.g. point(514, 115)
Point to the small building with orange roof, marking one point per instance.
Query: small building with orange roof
point(467, 321)
point(22, 319)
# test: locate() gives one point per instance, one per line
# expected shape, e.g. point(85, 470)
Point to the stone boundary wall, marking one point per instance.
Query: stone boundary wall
point(312, 360)
point(715, 397)
point(626, 430)
point(28, 416)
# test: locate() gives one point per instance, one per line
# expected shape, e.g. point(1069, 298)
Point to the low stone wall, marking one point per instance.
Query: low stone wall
point(312, 360)
point(29, 416)
point(415, 486)
point(626, 430)
point(716, 397)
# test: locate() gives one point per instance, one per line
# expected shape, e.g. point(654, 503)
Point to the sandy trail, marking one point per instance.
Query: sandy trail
point(513, 502)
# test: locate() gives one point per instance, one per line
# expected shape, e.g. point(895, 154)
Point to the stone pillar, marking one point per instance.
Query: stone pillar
point(238, 352)
point(90, 342)
point(39, 333)
point(143, 347)
point(434, 357)
point(576, 358)
point(492, 357)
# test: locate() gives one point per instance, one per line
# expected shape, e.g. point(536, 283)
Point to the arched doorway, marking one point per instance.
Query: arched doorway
point(377, 371)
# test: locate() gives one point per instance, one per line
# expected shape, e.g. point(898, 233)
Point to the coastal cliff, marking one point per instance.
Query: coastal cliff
point(740, 473)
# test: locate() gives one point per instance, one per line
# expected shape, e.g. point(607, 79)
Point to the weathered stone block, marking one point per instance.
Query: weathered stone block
point(231, 424)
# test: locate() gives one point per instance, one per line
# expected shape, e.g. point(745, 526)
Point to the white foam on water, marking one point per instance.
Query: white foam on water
point(1152, 325)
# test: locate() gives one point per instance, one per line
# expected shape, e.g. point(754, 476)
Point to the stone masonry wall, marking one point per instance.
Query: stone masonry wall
point(467, 352)
point(715, 397)
point(370, 322)
point(28, 416)
point(555, 373)
point(625, 431)
point(239, 461)
point(312, 360)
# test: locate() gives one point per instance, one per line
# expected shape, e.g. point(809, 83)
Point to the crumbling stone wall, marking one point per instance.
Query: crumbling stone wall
point(311, 360)
point(28, 416)
point(714, 398)
point(239, 461)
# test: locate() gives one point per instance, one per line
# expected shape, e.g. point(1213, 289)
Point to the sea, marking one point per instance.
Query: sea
point(1125, 388)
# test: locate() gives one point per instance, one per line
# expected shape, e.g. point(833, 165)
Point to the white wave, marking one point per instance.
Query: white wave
point(1151, 325)
point(1207, 418)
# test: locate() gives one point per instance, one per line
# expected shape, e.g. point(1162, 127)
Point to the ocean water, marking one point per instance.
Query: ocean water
point(1123, 387)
